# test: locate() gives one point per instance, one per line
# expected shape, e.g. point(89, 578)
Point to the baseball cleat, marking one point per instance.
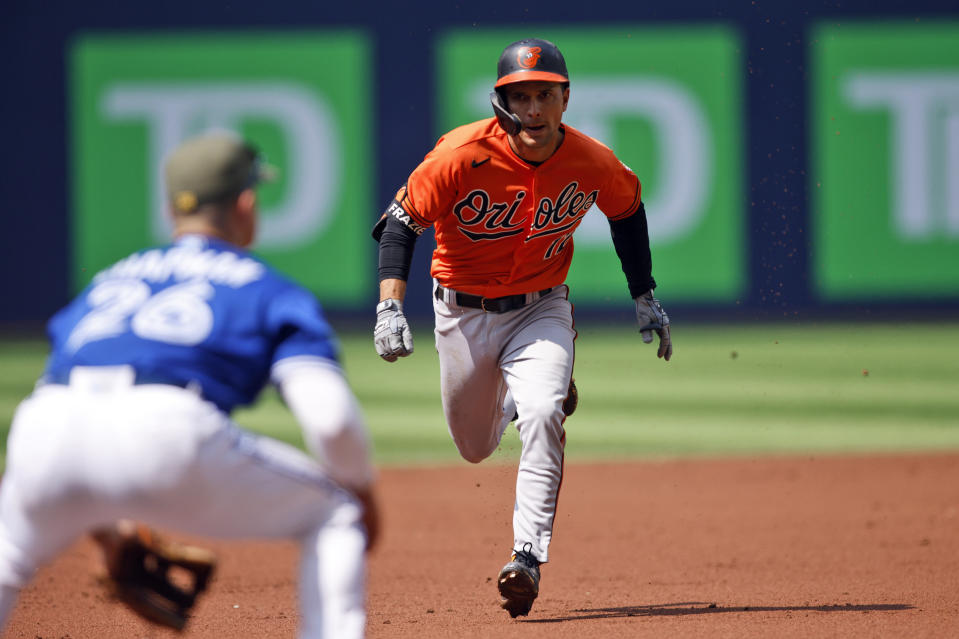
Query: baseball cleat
point(518, 582)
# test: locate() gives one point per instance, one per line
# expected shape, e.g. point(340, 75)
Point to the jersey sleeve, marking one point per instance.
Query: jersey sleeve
point(431, 188)
point(622, 193)
point(295, 320)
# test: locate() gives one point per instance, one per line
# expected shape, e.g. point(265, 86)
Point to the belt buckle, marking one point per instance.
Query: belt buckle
point(483, 305)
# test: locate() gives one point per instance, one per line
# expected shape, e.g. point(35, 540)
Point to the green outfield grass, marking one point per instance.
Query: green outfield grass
point(751, 389)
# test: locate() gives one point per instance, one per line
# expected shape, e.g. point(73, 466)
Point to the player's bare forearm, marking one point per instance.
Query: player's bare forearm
point(392, 288)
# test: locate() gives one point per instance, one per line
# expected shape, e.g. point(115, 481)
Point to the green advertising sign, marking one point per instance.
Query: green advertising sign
point(668, 101)
point(302, 98)
point(885, 141)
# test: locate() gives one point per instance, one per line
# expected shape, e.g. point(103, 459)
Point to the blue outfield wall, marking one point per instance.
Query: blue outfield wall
point(799, 159)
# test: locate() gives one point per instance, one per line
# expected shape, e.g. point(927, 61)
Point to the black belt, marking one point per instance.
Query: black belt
point(490, 304)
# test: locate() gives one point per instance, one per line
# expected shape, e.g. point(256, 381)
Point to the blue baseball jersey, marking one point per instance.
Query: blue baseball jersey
point(197, 313)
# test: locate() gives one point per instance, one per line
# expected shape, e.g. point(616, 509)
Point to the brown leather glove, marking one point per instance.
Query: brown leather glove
point(139, 564)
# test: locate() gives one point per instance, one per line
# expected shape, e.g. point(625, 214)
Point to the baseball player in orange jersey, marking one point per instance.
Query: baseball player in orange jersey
point(504, 196)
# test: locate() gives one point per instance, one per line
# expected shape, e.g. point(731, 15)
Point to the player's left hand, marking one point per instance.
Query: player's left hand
point(652, 317)
point(392, 335)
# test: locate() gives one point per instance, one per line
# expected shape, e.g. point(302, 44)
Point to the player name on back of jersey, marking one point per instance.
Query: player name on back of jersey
point(186, 263)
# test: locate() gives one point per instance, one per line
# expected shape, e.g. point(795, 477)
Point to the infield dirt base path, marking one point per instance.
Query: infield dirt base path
point(794, 547)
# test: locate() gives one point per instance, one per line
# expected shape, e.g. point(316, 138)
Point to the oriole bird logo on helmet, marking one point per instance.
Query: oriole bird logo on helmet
point(528, 57)
point(531, 59)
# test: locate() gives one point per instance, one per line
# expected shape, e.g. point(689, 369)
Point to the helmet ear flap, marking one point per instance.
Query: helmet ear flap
point(509, 121)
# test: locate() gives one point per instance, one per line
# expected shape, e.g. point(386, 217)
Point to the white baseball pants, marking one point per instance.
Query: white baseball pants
point(493, 363)
point(79, 459)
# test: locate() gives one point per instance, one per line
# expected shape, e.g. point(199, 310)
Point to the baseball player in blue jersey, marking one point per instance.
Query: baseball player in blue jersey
point(130, 421)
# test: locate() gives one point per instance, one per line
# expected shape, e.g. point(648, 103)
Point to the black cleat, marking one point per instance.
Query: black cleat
point(518, 582)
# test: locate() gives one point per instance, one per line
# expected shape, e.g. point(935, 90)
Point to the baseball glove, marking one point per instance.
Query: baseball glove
point(150, 574)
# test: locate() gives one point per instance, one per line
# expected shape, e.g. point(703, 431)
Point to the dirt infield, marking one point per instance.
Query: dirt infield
point(811, 547)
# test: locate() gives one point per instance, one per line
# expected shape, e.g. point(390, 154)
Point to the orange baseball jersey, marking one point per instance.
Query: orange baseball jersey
point(504, 226)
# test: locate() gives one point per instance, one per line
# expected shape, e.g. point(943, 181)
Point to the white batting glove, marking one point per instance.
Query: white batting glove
point(392, 335)
point(651, 317)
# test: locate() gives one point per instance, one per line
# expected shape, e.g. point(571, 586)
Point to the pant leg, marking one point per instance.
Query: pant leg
point(332, 576)
point(533, 351)
point(22, 550)
point(162, 456)
point(274, 490)
point(43, 506)
point(471, 382)
point(537, 364)
point(290, 497)
point(37, 475)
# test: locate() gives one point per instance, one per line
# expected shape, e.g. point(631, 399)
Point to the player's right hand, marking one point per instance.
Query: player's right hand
point(392, 335)
point(652, 317)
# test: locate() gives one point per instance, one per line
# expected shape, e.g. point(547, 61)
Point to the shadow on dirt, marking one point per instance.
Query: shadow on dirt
point(704, 608)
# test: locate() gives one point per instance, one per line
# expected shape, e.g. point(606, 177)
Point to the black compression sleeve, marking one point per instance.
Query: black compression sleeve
point(631, 240)
point(396, 250)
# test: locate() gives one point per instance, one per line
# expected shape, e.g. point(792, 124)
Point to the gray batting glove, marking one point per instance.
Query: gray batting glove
point(392, 335)
point(652, 317)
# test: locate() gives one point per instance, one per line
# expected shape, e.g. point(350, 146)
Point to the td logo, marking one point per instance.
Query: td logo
point(885, 149)
point(923, 148)
point(171, 113)
point(134, 98)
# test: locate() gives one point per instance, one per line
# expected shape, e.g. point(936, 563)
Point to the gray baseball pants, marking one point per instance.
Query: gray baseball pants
point(492, 364)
